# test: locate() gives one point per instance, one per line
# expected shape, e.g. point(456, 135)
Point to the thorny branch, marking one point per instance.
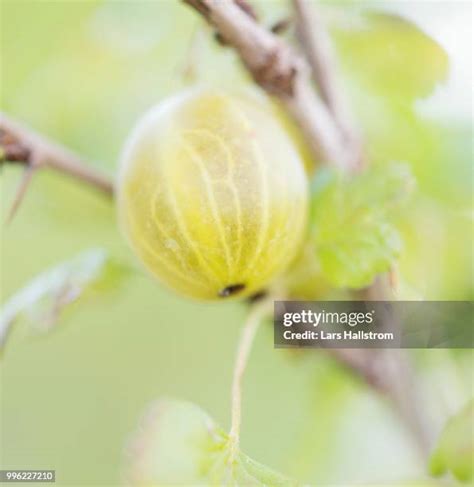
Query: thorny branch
point(21, 145)
point(317, 46)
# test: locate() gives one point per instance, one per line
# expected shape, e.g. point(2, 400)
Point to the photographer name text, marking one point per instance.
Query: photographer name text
point(304, 319)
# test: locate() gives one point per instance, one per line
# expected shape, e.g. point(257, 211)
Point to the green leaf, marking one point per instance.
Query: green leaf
point(42, 301)
point(351, 232)
point(177, 443)
point(455, 450)
point(390, 55)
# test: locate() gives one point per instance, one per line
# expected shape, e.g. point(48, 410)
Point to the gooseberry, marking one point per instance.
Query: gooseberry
point(212, 194)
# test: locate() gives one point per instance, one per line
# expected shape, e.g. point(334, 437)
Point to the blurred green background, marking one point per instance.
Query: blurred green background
point(82, 72)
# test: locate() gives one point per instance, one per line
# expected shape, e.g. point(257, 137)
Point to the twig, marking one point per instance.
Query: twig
point(317, 46)
point(389, 371)
point(23, 146)
point(399, 382)
point(21, 191)
point(319, 52)
point(258, 310)
point(281, 72)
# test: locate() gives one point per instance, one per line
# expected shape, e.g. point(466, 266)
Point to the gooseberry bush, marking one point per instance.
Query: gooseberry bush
point(242, 193)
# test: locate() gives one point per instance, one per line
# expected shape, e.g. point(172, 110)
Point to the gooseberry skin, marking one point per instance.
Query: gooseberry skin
point(212, 194)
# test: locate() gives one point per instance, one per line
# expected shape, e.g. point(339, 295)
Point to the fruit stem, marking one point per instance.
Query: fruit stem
point(254, 318)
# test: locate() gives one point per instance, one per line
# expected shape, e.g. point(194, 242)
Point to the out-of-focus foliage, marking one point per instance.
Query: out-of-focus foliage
point(391, 56)
point(455, 450)
point(388, 64)
point(44, 299)
point(177, 443)
point(352, 236)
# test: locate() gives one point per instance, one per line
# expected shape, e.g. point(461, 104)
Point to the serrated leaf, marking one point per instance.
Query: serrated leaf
point(177, 443)
point(42, 301)
point(351, 233)
point(455, 450)
point(390, 55)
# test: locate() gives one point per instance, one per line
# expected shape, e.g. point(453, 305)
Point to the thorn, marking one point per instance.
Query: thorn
point(393, 279)
point(188, 70)
point(281, 26)
point(247, 8)
point(21, 192)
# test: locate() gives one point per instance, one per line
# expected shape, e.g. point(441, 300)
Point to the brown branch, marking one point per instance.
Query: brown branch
point(21, 145)
point(318, 48)
point(281, 72)
point(389, 371)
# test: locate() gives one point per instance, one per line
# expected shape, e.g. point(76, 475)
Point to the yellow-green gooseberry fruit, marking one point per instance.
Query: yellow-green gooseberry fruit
point(212, 194)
